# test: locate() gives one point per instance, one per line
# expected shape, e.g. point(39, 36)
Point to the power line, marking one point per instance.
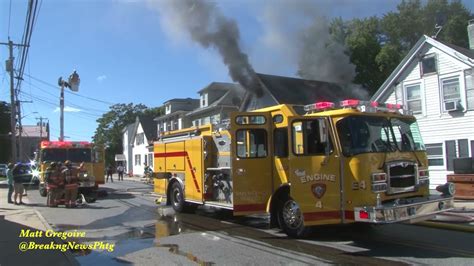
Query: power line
point(76, 94)
point(38, 98)
point(71, 104)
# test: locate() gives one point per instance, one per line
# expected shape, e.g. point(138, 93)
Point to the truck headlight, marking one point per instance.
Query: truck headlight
point(447, 189)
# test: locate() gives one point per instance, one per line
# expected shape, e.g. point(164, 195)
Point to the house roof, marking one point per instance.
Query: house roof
point(464, 55)
point(149, 126)
point(173, 114)
point(34, 131)
point(220, 86)
point(232, 98)
point(287, 90)
point(131, 129)
point(182, 100)
point(462, 50)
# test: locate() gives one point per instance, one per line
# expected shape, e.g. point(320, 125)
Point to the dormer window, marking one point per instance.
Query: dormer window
point(428, 65)
point(204, 99)
point(168, 109)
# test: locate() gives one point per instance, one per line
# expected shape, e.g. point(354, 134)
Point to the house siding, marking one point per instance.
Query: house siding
point(141, 150)
point(435, 125)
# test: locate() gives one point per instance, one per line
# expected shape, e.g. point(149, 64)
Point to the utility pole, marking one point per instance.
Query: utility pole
point(9, 65)
point(41, 126)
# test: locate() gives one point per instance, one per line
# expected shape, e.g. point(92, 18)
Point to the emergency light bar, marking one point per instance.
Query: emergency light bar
point(319, 106)
point(363, 106)
point(65, 144)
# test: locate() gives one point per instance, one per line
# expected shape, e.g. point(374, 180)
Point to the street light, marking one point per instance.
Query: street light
point(73, 84)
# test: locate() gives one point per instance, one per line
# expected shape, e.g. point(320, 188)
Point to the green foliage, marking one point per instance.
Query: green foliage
point(5, 143)
point(110, 126)
point(377, 45)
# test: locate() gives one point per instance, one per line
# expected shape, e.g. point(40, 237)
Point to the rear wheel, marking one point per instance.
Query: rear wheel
point(290, 218)
point(177, 197)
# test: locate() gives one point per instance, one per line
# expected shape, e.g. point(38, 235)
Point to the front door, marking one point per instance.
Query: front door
point(251, 161)
point(314, 170)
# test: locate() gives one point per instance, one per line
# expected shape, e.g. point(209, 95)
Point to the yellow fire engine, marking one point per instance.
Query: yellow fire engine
point(76, 152)
point(318, 164)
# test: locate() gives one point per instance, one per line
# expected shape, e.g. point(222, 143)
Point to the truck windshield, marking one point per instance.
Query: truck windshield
point(76, 155)
point(364, 134)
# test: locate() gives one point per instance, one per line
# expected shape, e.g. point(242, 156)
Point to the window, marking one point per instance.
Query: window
point(204, 102)
point(140, 138)
point(150, 160)
point(469, 81)
point(250, 120)
point(280, 142)
point(310, 137)
point(428, 65)
point(138, 159)
point(451, 91)
point(413, 100)
point(251, 143)
point(168, 109)
point(435, 154)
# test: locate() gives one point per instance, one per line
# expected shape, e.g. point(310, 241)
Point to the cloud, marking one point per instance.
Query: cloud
point(68, 109)
point(101, 78)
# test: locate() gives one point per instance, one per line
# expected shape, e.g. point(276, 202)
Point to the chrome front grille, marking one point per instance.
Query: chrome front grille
point(401, 177)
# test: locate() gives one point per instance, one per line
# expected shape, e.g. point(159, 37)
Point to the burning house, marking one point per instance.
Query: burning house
point(276, 90)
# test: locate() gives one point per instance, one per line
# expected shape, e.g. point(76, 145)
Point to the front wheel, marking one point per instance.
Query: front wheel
point(42, 190)
point(291, 218)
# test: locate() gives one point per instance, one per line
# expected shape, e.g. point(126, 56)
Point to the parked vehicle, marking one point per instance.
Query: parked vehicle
point(3, 169)
point(27, 174)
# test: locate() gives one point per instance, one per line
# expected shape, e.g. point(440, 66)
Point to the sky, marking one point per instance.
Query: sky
point(132, 51)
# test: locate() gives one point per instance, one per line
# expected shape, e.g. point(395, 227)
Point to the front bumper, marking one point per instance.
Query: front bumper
point(412, 210)
point(86, 181)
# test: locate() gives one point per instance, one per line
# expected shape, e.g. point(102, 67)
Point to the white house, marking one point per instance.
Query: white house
point(142, 148)
point(435, 81)
point(128, 134)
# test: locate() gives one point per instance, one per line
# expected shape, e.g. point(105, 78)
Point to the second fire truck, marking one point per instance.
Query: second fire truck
point(77, 152)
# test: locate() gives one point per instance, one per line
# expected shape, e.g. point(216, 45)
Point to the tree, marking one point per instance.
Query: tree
point(5, 142)
point(111, 124)
point(377, 45)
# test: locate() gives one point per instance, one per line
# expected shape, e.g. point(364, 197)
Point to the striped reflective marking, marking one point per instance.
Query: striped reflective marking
point(180, 154)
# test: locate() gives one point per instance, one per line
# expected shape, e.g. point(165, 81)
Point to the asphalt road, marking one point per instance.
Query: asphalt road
point(145, 233)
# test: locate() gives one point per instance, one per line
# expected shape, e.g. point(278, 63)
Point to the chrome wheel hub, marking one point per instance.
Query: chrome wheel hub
point(292, 214)
point(176, 197)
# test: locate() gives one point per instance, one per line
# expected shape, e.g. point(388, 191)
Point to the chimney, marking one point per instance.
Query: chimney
point(470, 33)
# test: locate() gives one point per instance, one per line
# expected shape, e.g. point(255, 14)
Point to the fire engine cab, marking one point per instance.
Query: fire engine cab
point(324, 163)
point(77, 152)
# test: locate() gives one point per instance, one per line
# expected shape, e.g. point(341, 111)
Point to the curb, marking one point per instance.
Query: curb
point(68, 254)
point(447, 226)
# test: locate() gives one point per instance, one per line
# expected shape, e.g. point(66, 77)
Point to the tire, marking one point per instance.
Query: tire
point(177, 197)
point(290, 218)
point(42, 191)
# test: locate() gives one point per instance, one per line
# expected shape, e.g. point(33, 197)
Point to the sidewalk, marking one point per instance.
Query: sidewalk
point(14, 219)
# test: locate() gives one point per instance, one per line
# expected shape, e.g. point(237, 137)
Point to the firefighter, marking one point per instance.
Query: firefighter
point(51, 184)
point(71, 184)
